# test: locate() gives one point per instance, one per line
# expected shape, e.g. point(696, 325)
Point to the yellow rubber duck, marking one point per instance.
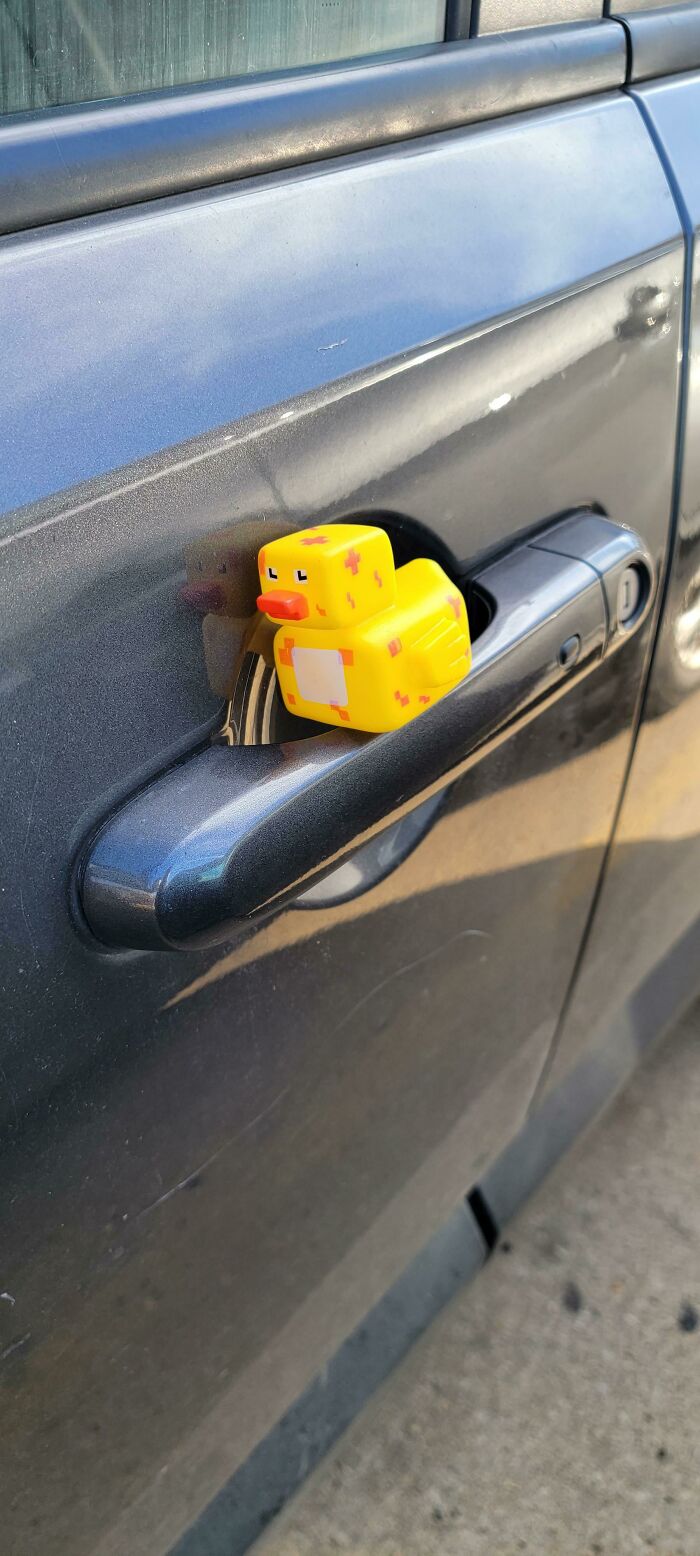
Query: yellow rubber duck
point(361, 643)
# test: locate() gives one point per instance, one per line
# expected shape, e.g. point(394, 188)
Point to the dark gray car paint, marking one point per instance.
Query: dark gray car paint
point(663, 41)
point(389, 435)
point(337, 302)
point(233, 833)
point(100, 155)
point(650, 900)
point(244, 1153)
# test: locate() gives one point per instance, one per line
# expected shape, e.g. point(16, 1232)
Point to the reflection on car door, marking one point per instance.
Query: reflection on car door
point(229, 1155)
point(641, 960)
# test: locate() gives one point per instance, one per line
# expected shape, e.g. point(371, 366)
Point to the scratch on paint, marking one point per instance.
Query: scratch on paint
point(197, 1171)
point(30, 813)
point(226, 444)
point(30, 818)
point(399, 972)
point(11, 1096)
point(15, 1345)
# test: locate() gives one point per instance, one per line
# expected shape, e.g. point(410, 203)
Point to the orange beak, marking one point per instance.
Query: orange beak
point(283, 605)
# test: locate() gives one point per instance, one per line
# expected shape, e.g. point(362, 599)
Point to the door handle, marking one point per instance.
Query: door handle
point(232, 832)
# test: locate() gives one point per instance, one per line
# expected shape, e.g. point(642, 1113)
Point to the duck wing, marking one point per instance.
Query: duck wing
point(438, 653)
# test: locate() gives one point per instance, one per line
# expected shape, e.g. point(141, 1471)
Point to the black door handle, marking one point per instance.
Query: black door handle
point(233, 831)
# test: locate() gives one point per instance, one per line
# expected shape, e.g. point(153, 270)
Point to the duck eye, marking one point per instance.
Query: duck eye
point(301, 576)
point(222, 567)
point(271, 573)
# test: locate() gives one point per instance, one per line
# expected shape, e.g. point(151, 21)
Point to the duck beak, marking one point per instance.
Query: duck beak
point(283, 605)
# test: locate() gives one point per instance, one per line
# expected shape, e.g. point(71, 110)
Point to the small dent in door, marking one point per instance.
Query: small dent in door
point(648, 313)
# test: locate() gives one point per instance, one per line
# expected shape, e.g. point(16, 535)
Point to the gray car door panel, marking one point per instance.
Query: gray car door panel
point(95, 156)
point(661, 41)
point(645, 933)
point(228, 1156)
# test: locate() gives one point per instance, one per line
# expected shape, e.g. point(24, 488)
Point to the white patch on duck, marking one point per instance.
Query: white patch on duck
point(320, 674)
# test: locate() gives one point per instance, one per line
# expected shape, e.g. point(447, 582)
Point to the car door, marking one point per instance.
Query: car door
point(640, 967)
point(413, 289)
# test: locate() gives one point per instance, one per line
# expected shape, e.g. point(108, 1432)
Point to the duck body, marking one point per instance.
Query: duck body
point(362, 644)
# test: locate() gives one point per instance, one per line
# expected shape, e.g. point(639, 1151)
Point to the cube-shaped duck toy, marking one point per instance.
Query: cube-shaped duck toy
point(361, 643)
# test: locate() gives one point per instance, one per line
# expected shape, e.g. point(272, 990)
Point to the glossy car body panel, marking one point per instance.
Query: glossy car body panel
point(650, 899)
point(97, 156)
point(336, 301)
point(391, 436)
point(662, 41)
point(229, 1158)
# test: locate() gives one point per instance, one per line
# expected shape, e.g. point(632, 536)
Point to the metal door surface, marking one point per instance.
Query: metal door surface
point(215, 1162)
point(642, 958)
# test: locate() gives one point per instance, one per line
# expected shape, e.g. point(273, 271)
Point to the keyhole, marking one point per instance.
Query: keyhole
point(628, 594)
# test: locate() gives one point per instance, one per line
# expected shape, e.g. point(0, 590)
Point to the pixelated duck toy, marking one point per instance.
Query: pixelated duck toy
point(361, 643)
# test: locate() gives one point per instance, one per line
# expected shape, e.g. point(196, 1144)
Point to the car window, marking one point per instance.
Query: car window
point(70, 51)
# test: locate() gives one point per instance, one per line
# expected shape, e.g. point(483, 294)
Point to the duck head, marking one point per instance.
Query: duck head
point(335, 575)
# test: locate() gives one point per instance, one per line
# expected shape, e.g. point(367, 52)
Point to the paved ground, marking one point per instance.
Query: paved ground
point(554, 1407)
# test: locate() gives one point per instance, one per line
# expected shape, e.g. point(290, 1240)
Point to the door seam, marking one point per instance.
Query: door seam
point(666, 574)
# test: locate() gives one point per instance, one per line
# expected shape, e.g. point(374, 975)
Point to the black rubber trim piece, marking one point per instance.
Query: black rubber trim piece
point(661, 42)
point(277, 1467)
point(481, 1212)
point(67, 163)
point(458, 19)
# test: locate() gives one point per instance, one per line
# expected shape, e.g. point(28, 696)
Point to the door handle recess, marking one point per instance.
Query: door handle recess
point(235, 831)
